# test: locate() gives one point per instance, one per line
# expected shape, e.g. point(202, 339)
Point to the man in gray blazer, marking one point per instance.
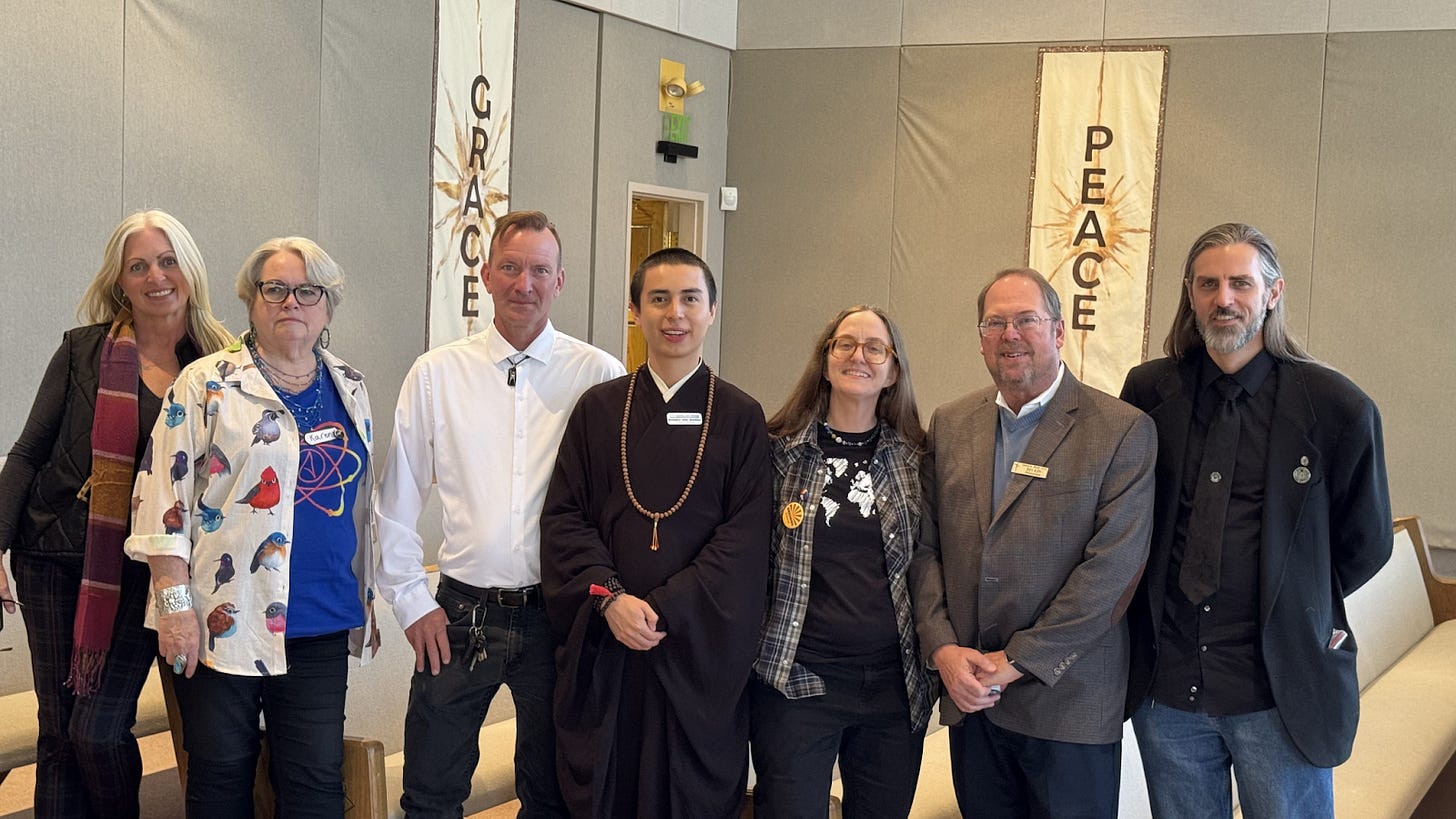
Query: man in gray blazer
point(1039, 497)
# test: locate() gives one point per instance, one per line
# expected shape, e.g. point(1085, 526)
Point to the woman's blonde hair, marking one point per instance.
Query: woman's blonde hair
point(103, 298)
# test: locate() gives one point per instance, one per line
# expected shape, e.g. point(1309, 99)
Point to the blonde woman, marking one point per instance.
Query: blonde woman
point(65, 499)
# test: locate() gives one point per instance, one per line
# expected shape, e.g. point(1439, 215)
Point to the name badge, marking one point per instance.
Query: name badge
point(320, 436)
point(685, 419)
point(1030, 470)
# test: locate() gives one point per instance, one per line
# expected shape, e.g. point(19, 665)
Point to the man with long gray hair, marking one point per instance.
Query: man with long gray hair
point(1271, 506)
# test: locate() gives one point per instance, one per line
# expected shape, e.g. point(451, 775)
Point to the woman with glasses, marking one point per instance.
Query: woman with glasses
point(838, 670)
point(64, 503)
point(253, 515)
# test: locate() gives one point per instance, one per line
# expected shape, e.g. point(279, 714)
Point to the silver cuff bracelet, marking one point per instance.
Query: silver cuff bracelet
point(174, 599)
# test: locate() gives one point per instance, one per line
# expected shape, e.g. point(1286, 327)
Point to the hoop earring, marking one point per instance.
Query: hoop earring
point(323, 341)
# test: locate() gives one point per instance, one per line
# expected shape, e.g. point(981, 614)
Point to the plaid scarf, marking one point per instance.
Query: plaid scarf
point(113, 462)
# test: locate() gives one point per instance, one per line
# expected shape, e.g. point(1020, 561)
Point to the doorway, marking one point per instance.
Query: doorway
point(658, 218)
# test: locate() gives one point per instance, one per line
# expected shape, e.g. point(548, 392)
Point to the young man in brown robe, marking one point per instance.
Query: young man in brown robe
point(654, 562)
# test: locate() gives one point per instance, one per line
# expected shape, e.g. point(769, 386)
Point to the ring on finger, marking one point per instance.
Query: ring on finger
point(179, 663)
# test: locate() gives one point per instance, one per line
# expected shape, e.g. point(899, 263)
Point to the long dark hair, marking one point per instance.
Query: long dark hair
point(809, 401)
point(1184, 338)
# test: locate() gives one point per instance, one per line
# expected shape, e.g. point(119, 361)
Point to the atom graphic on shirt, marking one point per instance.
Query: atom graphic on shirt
point(325, 469)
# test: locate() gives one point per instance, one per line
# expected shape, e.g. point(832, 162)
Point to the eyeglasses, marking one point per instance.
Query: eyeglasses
point(275, 292)
point(1023, 325)
point(875, 351)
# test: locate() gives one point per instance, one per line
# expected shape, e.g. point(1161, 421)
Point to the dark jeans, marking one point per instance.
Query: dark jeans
point(863, 720)
point(442, 726)
point(1000, 773)
point(87, 762)
point(304, 712)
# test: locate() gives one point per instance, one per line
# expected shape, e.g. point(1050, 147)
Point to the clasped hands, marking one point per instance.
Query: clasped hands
point(633, 622)
point(969, 675)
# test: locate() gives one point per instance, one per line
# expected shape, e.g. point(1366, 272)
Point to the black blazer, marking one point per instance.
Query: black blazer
point(51, 460)
point(1323, 537)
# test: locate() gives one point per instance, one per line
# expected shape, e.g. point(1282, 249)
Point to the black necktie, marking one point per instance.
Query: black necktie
point(1198, 577)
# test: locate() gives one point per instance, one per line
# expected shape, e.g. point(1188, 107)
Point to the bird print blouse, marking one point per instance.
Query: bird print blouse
point(216, 488)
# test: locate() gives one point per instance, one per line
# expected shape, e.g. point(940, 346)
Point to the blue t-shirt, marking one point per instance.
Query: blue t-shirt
point(324, 592)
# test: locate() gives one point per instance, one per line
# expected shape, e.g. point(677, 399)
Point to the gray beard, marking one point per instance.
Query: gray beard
point(1234, 338)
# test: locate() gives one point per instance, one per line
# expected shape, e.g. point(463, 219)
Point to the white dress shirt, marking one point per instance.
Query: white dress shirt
point(490, 447)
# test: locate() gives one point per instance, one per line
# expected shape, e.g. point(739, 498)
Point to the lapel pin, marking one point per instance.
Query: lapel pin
point(1301, 472)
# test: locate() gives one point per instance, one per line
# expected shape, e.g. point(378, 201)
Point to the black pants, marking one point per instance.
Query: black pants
point(863, 720)
point(304, 711)
point(1000, 773)
point(87, 761)
point(442, 726)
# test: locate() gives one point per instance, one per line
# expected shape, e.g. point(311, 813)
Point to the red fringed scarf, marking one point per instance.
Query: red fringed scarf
point(113, 462)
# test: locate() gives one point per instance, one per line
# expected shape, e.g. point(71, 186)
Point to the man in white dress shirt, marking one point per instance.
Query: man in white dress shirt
point(482, 417)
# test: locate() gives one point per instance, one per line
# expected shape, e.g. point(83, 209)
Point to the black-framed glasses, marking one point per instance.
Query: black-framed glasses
point(276, 292)
point(875, 351)
point(1022, 324)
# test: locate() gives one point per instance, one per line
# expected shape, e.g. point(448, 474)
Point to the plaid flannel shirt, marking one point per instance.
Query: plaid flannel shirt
point(800, 474)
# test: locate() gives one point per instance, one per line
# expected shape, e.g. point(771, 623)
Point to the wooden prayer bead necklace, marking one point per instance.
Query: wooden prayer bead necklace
point(697, 460)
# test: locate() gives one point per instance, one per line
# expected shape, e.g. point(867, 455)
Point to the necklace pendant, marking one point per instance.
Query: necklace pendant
point(654, 534)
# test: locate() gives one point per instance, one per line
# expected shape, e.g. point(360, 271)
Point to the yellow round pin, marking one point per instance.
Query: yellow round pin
point(793, 514)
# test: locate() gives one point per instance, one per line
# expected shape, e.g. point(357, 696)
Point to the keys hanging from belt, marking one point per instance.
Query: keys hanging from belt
point(476, 646)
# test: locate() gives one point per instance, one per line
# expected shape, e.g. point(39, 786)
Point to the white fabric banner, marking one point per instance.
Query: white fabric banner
point(1094, 196)
point(470, 170)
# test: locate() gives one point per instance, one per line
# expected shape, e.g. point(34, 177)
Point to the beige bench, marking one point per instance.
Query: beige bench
point(1403, 619)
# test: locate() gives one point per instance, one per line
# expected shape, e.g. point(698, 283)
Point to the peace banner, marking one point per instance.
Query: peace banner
point(1094, 197)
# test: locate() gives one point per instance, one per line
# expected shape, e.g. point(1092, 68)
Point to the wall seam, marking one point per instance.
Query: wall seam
point(596, 176)
point(122, 164)
point(895, 158)
point(1319, 158)
point(318, 153)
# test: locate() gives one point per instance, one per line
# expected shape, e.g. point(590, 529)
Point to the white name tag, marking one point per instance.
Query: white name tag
point(1030, 470)
point(320, 436)
point(685, 419)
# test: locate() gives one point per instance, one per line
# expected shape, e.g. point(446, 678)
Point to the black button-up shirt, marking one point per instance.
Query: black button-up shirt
point(1209, 657)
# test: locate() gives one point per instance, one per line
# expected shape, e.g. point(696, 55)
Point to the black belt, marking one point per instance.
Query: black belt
point(509, 598)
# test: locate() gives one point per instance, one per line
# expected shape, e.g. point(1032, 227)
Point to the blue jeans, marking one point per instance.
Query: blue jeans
point(1187, 756)
point(862, 719)
point(442, 725)
point(304, 709)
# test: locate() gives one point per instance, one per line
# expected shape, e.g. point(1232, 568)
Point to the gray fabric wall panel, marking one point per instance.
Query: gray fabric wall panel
point(373, 153)
point(1197, 18)
point(1363, 15)
point(1240, 144)
point(60, 169)
point(628, 128)
point(818, 23)
point(222, 125)
point(1386, 218)
point(933, 22)
point(813, 161)
point(963, 170)
point(552, 156)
